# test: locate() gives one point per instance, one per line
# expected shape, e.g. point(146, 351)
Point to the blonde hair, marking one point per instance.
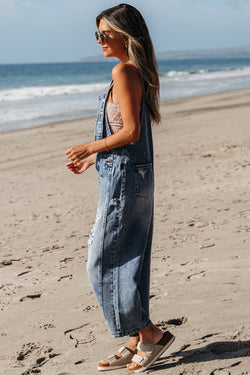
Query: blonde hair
point(129, 23)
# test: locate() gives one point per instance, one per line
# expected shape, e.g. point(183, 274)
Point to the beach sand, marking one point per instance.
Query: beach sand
point(50, 321)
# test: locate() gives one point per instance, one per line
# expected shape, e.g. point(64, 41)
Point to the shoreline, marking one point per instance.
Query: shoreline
point(162, 103)
point(200, 256)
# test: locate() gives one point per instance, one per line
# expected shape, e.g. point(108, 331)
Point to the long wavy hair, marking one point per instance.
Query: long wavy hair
point(128, 22)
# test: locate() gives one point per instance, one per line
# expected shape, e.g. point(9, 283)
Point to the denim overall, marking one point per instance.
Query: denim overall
point(120, 240)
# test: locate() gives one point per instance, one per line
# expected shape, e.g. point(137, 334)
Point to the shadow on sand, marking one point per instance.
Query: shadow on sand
point(216, 350)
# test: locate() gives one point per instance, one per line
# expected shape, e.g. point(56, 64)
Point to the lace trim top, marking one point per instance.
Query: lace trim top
point(114, 113)
point(114, 117)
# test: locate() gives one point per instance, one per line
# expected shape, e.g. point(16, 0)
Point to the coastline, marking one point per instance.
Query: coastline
point(200, 259)
point(162, 103)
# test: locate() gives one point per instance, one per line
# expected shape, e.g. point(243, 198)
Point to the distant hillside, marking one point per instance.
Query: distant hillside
point(205, 53)
point(189, 54)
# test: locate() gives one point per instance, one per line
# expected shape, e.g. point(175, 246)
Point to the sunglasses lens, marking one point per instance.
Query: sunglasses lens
point(101, 36)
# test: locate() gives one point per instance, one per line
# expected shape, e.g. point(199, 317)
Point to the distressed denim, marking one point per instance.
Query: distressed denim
point(120, 240)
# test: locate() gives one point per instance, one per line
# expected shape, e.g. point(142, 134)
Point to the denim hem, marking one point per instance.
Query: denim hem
point(131, 331)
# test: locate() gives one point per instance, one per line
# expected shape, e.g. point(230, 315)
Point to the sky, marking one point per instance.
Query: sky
point(63, 30)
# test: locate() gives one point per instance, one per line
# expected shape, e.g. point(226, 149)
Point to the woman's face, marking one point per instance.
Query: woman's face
point(114, 46)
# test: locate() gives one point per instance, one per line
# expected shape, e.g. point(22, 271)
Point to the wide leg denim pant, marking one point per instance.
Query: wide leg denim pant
point(120, 241)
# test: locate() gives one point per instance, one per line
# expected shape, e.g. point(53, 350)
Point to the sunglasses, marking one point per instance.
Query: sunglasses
point(104, 37)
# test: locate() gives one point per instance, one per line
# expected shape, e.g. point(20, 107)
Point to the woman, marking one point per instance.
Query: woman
point(120, 241)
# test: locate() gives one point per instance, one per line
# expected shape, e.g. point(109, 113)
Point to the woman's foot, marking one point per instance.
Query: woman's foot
point(132, 344)
point(150, 336)
point(122, 358)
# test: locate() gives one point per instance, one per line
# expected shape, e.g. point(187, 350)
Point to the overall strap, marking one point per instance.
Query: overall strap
point(107, 96)
point(144, 87)
point(106, 130)
point(143, 102)
point(110, 90)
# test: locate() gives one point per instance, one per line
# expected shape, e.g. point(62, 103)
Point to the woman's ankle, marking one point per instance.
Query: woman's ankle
point(151, 335)
point(132, 344)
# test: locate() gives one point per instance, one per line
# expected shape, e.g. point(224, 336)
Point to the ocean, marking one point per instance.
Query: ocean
point(38, 94)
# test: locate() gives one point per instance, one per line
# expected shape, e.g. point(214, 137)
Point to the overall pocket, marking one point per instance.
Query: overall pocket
point(143, 180)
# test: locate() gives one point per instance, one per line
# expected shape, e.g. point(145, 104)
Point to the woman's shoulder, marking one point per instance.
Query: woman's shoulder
point(125, 71)
point(127, 81)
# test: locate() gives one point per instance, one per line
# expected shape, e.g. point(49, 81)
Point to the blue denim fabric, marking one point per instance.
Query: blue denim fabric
point(120, 240)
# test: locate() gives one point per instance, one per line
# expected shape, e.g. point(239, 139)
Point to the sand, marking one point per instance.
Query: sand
point(50, 322)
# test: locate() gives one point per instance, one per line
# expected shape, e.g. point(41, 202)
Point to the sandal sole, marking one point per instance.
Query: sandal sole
point(110, 368)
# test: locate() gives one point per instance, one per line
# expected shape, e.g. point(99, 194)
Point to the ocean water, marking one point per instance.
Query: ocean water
point(37, 94)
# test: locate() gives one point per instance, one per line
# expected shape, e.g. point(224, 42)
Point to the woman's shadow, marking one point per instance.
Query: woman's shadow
point(216, 350)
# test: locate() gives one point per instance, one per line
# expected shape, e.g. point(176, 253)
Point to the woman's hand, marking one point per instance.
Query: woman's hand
point(78, 153)
point(81, 167)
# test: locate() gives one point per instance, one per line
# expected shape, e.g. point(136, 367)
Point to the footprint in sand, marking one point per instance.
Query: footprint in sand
point(5, 263)
point(65, 277)
point(196, 275)
point(176, 322)
point(34, 353)
point(30, 296)
point(220, 372)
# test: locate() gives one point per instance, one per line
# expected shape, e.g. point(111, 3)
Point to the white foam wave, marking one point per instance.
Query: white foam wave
point(181, 84)
point(31, 106)
point(26, 93)
point(201, 74)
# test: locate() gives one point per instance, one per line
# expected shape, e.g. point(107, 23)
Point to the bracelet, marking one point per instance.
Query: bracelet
point(107, 149)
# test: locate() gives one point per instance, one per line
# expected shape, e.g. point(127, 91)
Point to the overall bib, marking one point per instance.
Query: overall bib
point(120, 240)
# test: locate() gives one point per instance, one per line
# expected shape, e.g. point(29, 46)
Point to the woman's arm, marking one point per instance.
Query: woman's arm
point(127, 91)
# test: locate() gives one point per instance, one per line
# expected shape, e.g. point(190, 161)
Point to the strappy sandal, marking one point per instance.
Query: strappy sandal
point(152, 353)
point(116, 362)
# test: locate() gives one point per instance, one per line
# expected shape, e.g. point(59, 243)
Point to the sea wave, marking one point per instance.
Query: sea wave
point(204, 74)
point(27, 93)
point(33, 105)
